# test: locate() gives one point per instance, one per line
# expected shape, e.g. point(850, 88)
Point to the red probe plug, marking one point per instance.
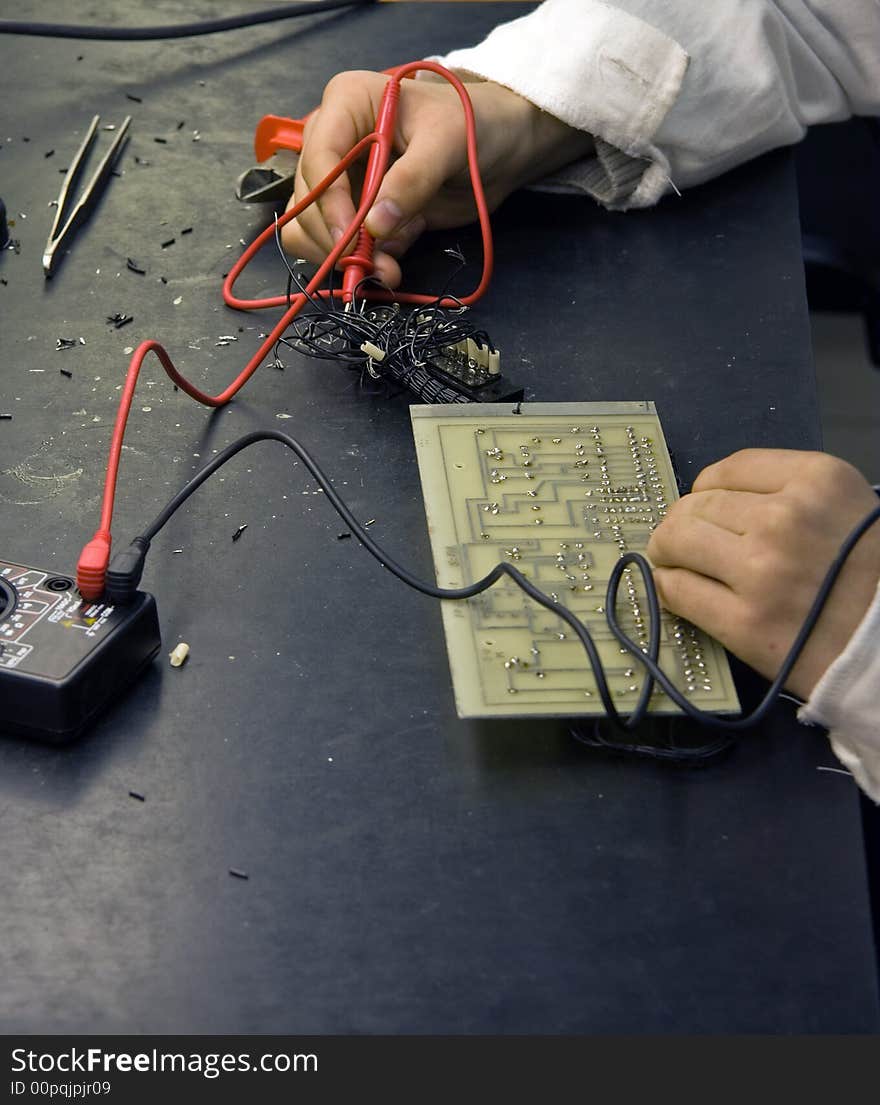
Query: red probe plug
point(91, 568)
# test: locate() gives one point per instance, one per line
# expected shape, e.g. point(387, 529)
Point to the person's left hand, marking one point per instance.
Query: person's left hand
point(744, 554)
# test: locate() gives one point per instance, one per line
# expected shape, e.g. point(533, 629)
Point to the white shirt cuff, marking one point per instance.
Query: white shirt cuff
point(846, 699)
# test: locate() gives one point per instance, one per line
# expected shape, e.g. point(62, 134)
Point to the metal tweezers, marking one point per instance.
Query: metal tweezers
point(89, 195)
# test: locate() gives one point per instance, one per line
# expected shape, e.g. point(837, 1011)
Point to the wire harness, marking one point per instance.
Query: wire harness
point(396, 345)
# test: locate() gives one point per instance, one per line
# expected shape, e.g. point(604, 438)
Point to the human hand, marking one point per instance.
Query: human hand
point(427, 186)
point(745, 553)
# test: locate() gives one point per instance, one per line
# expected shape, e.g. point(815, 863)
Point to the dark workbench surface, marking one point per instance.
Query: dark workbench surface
point(408, 872)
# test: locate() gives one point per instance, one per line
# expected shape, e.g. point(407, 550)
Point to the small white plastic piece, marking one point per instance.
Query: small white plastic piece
point(178, 654)
point(495, 362)
point(373, 351)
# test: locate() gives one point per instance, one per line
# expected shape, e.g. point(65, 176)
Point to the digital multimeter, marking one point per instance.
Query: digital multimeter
point(63, 658)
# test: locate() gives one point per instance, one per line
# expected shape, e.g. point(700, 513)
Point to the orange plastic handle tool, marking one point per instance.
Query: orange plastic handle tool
point(277, 132)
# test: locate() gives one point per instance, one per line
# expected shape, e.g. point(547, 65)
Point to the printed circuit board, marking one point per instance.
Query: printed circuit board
point(561, 491)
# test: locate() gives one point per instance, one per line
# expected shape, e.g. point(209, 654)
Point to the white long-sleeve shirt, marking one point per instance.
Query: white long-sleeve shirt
point(682, 90)
point(675, 92)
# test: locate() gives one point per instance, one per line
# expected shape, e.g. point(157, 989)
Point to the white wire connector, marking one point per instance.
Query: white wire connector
point(373, 351)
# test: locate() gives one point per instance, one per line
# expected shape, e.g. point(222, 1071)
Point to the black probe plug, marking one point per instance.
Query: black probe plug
point(125, 571)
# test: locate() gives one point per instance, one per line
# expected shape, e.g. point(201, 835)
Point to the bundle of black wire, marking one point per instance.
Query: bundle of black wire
point(127, 567)
point(405, 341)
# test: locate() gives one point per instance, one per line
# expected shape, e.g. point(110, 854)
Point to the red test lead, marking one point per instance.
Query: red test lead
point(93, 561)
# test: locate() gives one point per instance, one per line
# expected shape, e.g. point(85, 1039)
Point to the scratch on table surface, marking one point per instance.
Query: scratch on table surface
point(45, 487)
point(29, 483)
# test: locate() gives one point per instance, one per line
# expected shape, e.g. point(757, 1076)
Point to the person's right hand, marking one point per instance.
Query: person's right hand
point(743, 557)
point(427, 186)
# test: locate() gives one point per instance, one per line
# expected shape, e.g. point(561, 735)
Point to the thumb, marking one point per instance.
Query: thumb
point(413, 181)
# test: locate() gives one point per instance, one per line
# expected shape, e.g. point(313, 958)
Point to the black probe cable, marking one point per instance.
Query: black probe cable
point(124, 572)
point(176, 30)
point(126, 568)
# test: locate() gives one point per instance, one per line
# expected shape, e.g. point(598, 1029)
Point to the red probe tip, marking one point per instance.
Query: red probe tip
point(91, 570)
